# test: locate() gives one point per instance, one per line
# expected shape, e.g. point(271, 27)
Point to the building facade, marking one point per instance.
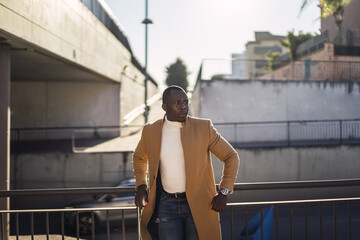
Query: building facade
point(257, 50)
point(238, 66)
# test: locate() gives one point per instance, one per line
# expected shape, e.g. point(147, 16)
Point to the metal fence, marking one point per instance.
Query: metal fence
point(319, 218)
point(290, 133)
point(279, 69)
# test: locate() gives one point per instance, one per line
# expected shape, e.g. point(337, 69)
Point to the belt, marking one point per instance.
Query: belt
point(176, 195)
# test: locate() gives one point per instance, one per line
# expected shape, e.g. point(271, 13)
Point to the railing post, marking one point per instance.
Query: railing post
point(288, 133)
point(341, 138)
point(138, 220)
point(235, 134)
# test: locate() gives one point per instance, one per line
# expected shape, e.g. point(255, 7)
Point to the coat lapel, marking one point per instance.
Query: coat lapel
point(186, 143)
point(157, 143)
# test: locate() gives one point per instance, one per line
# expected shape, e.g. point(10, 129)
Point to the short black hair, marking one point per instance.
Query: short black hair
point(168, 91)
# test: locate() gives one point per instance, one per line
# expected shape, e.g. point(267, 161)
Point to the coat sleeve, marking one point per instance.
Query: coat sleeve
point(227, 154)
point(140, 160)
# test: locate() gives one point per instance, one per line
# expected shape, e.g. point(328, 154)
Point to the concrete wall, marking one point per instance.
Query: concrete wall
point(132, 94)
point(69, 36)
point(295, 164)
point(257, 101)
point(53, 170)
point(57, 170)
point(65, 170)
point(61, 170)
point(67, 29)
point(64, 104)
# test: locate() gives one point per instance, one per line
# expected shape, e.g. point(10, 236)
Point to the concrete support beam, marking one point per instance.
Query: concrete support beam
point(5, 129)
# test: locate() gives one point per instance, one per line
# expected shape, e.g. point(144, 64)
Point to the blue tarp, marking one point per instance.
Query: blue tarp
point(254, 225)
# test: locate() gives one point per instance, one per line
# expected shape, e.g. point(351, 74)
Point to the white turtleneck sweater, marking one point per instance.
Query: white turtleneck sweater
point(172, 162)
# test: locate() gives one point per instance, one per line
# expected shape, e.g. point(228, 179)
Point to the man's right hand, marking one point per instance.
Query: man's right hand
point(141, 196)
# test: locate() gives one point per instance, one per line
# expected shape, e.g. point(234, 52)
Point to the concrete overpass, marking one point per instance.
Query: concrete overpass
point(63, 63)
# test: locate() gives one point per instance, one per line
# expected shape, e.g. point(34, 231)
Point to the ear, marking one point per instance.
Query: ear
point(164, 107)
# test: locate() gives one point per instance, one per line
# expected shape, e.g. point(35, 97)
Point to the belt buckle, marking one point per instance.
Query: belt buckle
point(176, 195)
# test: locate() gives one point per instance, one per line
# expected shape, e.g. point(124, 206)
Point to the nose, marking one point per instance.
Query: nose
point(183, 106)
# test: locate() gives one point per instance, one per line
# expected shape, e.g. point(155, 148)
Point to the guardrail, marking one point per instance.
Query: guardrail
point(290, 133)
point(239, 134)
point(310, 225)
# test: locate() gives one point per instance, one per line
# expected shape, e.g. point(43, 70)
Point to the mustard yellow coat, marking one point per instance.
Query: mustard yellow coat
point(198, 138)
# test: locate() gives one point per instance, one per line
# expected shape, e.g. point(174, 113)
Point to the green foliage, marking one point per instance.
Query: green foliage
point(328, 7)
point(292, 42)
point(271, 56)
point(177, 74)
point(218, 77)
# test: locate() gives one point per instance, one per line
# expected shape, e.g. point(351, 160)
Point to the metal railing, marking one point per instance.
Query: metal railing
point(67, 214)
point(290, 133)
point(66, 133)
point(312, 224)
point(240, 134)
point(279, 69)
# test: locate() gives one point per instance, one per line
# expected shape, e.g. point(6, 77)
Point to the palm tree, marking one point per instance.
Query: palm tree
point(293, 41)
point(328, 7)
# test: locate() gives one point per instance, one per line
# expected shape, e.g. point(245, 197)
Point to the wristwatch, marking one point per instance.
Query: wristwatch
point(224, 191)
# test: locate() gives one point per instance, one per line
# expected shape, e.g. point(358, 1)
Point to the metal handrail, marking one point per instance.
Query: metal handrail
point(291, 121)
point(67, 210)
point(237, 186)
point(65, 191)
point(297, 184)
point(75, 127)
point(294, 201)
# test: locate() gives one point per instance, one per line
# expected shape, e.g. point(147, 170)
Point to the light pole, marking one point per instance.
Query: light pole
point(339, 17)
point(146, 22)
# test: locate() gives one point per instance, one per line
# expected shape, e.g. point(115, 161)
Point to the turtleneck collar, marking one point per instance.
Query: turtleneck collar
point(172, 124)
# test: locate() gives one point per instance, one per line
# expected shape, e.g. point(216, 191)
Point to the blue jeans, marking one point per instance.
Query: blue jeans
point(175, 221)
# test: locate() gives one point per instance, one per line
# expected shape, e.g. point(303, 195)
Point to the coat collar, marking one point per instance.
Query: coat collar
point(183, 123)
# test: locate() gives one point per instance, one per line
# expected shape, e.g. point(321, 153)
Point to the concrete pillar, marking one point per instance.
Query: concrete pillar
point(5, 129)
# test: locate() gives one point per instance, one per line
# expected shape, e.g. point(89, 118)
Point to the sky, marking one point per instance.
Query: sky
point(196, 30)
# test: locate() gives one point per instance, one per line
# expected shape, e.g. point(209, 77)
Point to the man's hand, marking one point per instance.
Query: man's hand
point(141, 196)
point(218, 203)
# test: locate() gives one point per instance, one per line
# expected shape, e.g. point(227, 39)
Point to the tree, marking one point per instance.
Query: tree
point(292, 42)
point(177, 74)
point(271, 56)
point(328, 7)
point(218, 76)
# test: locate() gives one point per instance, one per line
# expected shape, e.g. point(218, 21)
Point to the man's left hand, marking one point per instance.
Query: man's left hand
point(219, 202)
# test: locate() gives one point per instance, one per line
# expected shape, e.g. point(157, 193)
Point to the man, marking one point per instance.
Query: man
point(181, 201)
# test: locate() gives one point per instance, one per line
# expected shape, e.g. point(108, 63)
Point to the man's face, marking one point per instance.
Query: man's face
point(176, 106)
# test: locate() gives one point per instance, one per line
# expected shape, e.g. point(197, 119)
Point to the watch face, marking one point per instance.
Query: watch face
point(224, 191)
